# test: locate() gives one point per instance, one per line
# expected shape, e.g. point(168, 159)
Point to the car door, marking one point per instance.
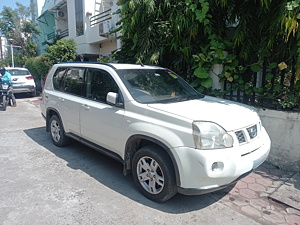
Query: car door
point(100, 122)
point(70, 85)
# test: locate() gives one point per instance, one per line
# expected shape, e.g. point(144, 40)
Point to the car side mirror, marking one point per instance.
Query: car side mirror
point(112, 98)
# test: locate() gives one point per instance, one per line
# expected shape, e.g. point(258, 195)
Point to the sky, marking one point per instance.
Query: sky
point(12, 3)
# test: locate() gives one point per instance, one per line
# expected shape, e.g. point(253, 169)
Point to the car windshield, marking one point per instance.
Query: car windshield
point(157, 86)
point(18, 72)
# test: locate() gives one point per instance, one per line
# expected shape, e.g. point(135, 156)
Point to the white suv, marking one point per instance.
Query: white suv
point(172, 138)
point(22, 80)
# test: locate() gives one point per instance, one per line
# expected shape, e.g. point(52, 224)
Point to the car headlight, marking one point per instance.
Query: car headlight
point(208, 135)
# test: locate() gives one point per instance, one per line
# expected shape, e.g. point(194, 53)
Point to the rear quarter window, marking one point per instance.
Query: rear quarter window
point(58, 79)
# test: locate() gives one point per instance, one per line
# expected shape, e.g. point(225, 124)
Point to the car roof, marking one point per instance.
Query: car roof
point(15, 68)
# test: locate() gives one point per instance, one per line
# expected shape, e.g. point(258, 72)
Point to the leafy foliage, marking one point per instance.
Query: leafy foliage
point(191, 36)
point(38, 66)
point(62, 51)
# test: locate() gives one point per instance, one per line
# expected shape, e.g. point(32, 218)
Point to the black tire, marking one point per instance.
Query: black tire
point(153, 173)
point(33, 94)
point(57, 132)
point(4, 103)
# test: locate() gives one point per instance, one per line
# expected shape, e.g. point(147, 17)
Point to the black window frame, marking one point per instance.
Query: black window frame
point(84, 89)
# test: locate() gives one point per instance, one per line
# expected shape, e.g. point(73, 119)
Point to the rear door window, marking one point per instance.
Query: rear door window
point(74, 81)
point(70, 80)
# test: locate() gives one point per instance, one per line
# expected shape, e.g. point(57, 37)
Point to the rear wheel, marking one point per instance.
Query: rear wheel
point(153, 174)
point(57, 132)
point(33, 93)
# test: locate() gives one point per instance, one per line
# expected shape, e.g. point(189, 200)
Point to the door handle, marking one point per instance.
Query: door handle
point(61, 99)
point(86, 107)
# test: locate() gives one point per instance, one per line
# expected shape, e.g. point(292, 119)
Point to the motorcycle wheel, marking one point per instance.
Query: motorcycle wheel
point(4, 103)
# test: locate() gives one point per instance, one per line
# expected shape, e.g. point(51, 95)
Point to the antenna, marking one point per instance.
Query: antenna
point(140, 62)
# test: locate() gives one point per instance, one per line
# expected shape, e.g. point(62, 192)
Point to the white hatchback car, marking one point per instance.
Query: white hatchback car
point(22, 80)
point(172, 138)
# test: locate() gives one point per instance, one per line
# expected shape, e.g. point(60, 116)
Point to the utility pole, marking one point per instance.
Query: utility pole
point(1, 50)
point(12, 51)
point(12, 55)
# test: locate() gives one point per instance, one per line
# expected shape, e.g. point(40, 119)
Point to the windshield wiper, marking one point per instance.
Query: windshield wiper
point(200, 95)
point(181, 99)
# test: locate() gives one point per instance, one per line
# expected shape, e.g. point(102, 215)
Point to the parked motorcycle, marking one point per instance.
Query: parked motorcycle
point(4, 94)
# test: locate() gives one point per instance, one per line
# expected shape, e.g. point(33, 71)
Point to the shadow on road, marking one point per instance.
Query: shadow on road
point(109, 173)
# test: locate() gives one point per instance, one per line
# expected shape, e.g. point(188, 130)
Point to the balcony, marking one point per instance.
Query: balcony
point(101, 17)
point(62, 34)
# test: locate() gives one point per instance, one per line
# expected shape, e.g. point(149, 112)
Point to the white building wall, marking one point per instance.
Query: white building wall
point(283, 129)
point(72, 19)
point(107, 48)
point(91, 42)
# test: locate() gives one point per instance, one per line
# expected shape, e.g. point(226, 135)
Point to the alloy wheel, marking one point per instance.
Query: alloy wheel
point(150, 175)
point(55, 130)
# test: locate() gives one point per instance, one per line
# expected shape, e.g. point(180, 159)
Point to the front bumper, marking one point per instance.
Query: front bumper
point(201, 191)
point(204, 171)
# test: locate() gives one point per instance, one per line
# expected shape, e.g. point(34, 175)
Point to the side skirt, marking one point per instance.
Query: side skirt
point(98, 148)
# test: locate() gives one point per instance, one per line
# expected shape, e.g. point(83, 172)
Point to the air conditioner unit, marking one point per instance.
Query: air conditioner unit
point(61, 14)
point(104, 27)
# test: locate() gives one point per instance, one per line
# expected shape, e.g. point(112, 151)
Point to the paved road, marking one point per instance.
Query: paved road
point(44, 184)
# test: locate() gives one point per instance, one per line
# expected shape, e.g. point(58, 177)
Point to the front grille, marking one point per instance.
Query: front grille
point(246, 134)
point(240, 136)
point(252, 131)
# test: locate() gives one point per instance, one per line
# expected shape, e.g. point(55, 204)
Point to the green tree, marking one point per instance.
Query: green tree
point(161, 32)
point(17, 27)
point(38, 66)
point(190, 36)
point(62, 51)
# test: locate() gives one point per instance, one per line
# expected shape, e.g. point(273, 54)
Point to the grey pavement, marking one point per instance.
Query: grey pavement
point(44, 184)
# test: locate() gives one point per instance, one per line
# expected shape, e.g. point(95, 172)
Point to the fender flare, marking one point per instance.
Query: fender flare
point(129, 153)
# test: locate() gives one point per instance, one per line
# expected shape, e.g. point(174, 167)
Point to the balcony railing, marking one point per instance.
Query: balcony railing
point(51, 35)
point(64, 33)
point(61, 34)
point(101, 17)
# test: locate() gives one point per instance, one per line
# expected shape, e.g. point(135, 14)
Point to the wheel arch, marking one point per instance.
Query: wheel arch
point(135, 142)
point(50, 112)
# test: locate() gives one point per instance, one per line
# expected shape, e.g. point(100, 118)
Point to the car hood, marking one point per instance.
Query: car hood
point(228, 114)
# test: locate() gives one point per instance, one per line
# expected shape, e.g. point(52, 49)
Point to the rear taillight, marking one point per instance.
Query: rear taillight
point(29, 77)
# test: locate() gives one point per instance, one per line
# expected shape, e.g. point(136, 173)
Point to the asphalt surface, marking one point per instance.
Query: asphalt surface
point(44, 184)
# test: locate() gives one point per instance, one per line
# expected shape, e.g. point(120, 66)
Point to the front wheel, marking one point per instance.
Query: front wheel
point(4, 102)
point(153, 174)
point(57, 132)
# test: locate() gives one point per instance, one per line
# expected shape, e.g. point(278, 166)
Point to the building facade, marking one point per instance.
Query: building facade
point(88, 22)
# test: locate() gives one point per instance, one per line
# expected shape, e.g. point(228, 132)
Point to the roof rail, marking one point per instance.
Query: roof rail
point(106, 64)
